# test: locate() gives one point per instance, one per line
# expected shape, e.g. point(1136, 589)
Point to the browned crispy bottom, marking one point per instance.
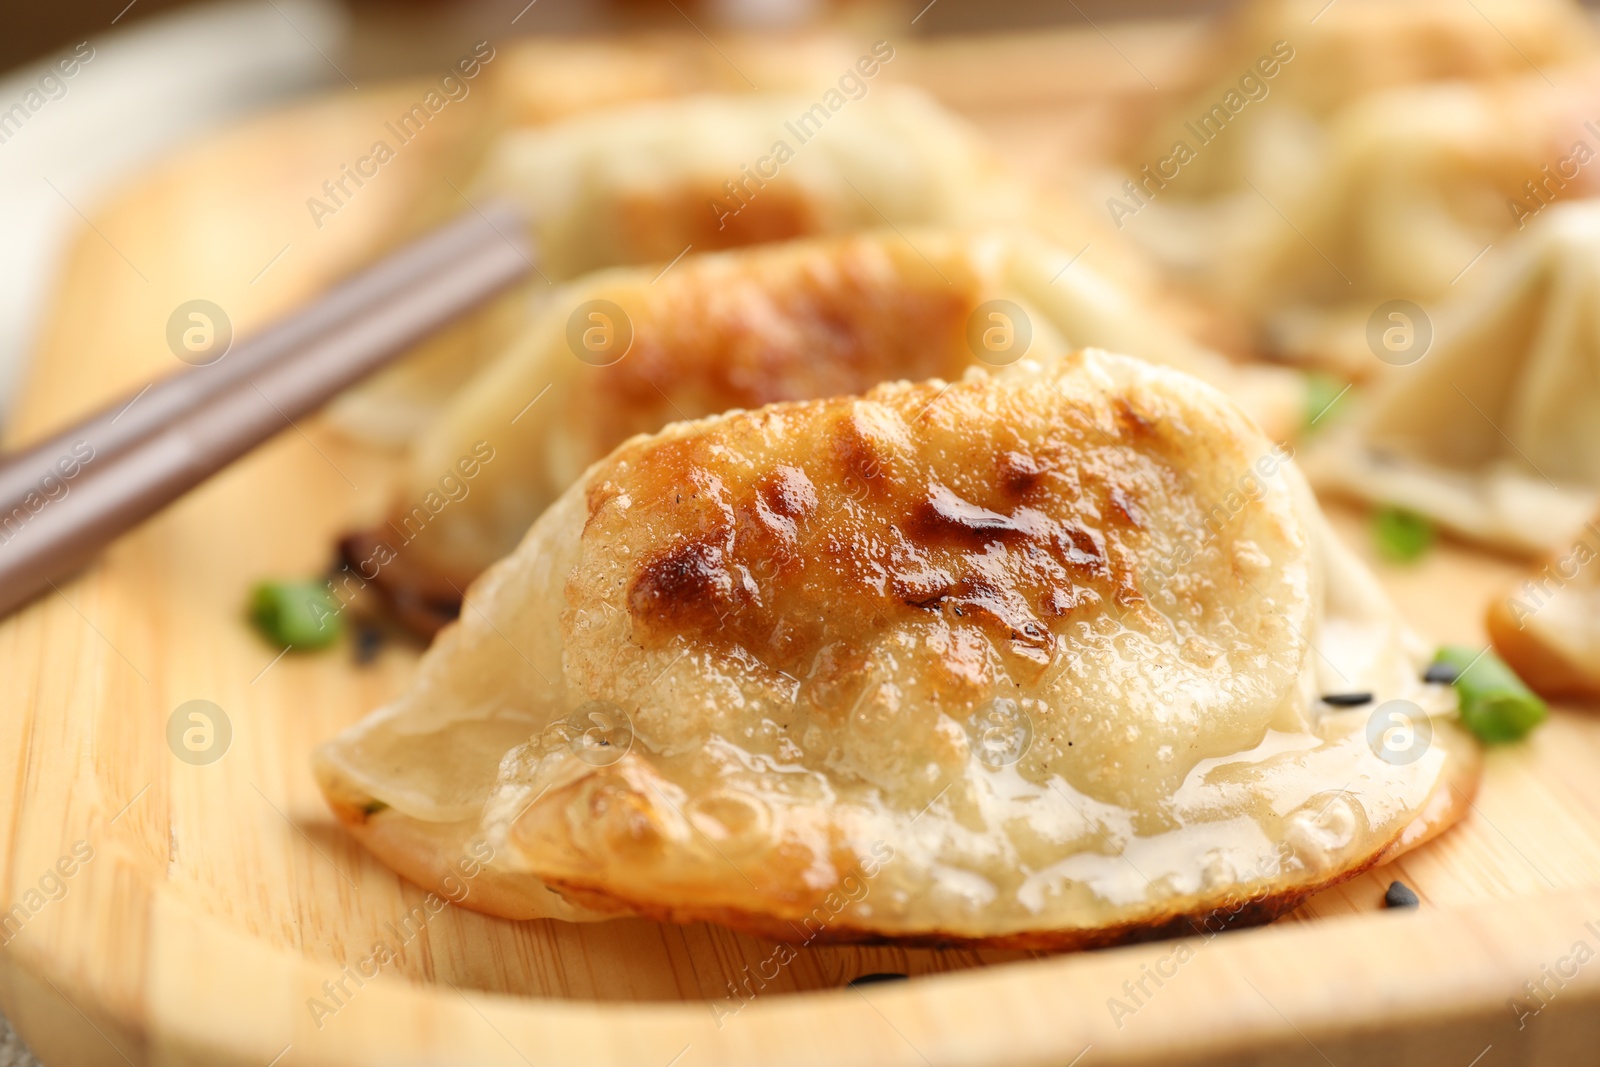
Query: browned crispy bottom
point(1251, 911)
point(1544, 668)
point(423, 854)
point(428, 854)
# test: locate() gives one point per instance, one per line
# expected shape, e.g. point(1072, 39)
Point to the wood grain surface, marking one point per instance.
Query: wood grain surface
point(218, 899)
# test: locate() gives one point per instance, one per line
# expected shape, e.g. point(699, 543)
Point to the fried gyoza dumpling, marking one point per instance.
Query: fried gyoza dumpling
point(1318, 199)
point(650, 182)
point(639, 184)
point(539, 80)
point(1548, 627)
point(1494, 430)
point(820, 318)
point(1290, 66)
point(1028, 659)
point(1421, 185)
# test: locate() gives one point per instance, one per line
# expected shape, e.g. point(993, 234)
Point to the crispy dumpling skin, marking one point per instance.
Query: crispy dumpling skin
point(1548, 626)
point(1494, 432)
point(1027, 659)
point(829, 317)
point(650, 181)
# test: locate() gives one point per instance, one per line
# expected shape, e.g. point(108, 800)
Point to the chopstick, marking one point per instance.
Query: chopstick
point(135, 416)
point(204, 421)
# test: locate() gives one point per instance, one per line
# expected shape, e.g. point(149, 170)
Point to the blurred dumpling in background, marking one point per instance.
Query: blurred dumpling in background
point(647, 183)
point(643, 183)
point(1492, 427)
point(629, 350)
point(543, 80)
point(530, 82)
point(1364, 156)
point(1547, 627)
point(1421, 184)
point(1295, 64)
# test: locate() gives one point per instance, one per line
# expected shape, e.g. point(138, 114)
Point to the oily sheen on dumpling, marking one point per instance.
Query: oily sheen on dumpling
point(800, 630)
point(818, 318)
point(1494, 432)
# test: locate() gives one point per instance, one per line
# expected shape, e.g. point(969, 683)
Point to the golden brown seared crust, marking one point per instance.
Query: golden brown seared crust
point(1546, 670)
point(998, 534)
point(719, 334)
point(835, 319)
point(913, 552)
point(659, 224)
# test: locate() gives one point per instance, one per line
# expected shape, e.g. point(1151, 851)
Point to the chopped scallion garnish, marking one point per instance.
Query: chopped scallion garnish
point(1323, 392)
point(1495, 704)
point(297, 614)
point(1401, 536)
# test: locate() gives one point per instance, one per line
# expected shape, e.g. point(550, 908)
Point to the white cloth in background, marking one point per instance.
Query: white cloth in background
point(148, 87)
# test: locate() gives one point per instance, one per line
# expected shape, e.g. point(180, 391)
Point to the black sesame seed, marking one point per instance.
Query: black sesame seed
point(874, 979)
point(1400, 895)
point(1441, 673)
point(1347, 700)
point(369, 639)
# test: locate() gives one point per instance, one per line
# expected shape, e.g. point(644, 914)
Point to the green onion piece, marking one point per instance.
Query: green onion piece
point(298, 614)
point(1323, 392)
point(372, 807)
point(1401, 536)
point(1495, 704)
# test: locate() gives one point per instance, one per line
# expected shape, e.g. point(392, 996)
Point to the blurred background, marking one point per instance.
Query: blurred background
point(395, 36)
point(167, 71)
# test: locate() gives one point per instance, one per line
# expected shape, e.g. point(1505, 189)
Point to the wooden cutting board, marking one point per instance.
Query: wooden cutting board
point(180, 912)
